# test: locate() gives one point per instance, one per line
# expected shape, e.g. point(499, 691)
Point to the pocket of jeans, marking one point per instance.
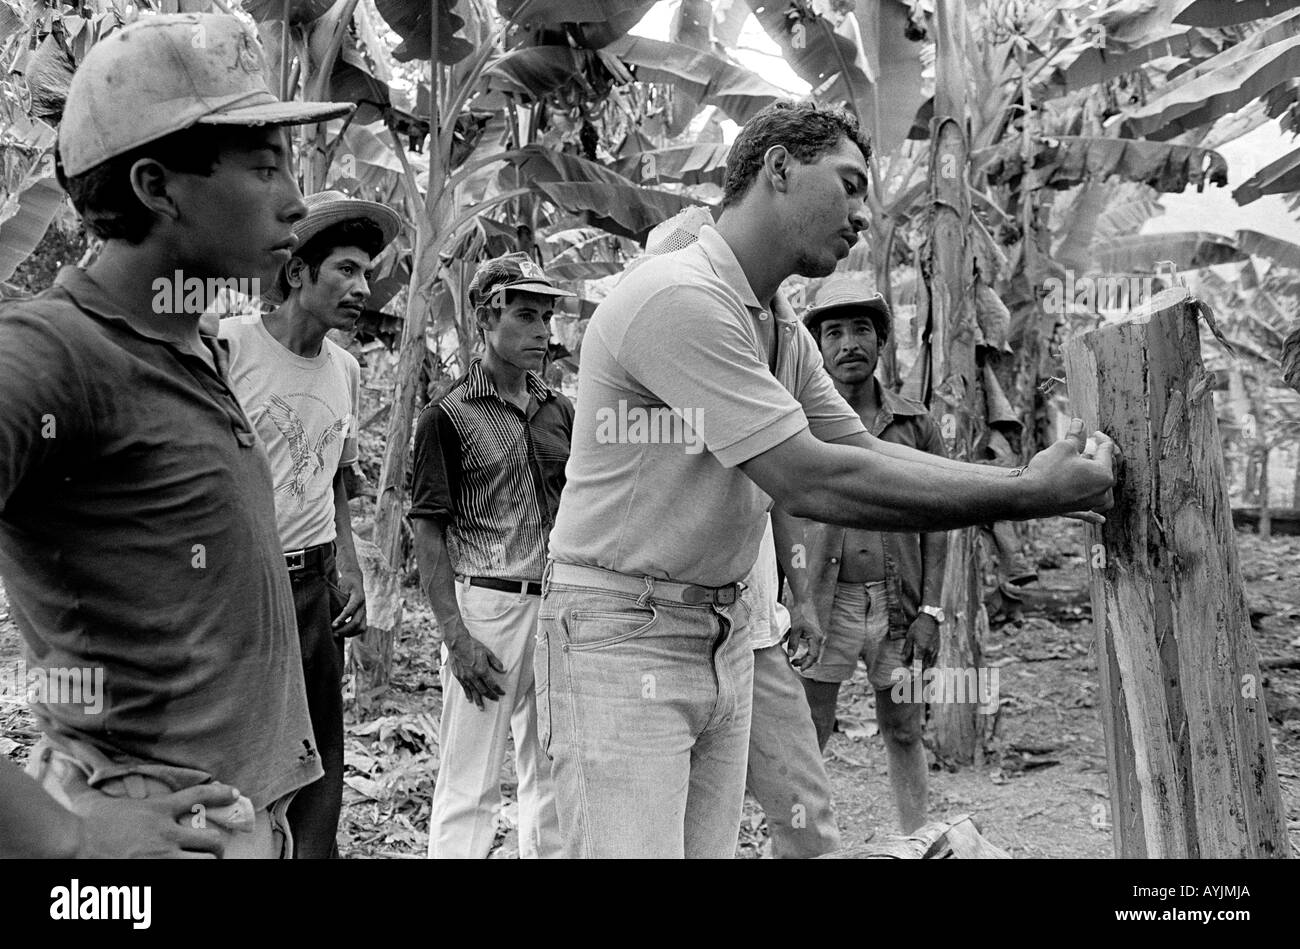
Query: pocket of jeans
point(599, 629)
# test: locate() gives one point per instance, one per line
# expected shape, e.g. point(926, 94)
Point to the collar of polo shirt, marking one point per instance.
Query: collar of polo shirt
point(728, 269)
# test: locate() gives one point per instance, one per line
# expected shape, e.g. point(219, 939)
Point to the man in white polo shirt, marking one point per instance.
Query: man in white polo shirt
point(702, 399)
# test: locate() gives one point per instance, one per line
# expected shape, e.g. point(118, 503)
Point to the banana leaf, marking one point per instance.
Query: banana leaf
point(1189, 250)
point(11, 21)
point(687, 164)
point(729, 18)
point(1277, 177)
point(1219, 13)
point(898, 70)
point(603, 198)
point(690, 24)
point(352, 77)
point(1222, 84)
point(539, 71)
point(24, 219)
point(591, 24)
point(1265, 245)
point(538, 13)
point(1291, 359)
point(705, 76)
point(410, 19)
point(820, 56)
point(1131, 25)
point(1097, 63)
point(301, 12)
point(1067, 160)
point(48, 72)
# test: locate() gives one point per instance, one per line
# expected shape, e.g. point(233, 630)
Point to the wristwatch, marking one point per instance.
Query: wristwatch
point(935, 611)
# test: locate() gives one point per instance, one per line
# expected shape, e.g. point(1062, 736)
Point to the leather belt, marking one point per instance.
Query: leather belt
point(690, 594)
point(531, 587)
point(308, 557)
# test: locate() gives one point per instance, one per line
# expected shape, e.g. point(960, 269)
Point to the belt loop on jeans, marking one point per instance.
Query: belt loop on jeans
point(546, 576)
point(649, 594)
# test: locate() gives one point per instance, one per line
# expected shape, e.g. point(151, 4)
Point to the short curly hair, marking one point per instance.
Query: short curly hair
point(807, 130)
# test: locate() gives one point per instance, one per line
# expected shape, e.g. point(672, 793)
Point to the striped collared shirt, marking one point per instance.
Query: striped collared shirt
point(492, 474)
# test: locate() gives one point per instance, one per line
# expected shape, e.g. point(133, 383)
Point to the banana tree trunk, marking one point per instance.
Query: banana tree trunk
point(1188, 750)
point(947, 271)
point(373, 666)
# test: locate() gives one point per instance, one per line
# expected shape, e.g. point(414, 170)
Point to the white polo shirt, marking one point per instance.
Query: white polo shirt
point(674, 392)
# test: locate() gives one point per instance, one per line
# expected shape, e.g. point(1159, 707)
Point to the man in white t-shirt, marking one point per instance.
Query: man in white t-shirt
point(300, 389)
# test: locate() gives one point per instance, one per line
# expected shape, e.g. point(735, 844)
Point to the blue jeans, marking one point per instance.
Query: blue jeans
point(643, 706)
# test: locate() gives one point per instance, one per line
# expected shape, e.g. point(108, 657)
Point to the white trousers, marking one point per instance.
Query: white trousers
point(467, 792)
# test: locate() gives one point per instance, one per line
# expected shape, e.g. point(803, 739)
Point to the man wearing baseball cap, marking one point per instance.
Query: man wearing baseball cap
point(873, 594)
point(301, 392)
point(489, 468)
point(137, 537)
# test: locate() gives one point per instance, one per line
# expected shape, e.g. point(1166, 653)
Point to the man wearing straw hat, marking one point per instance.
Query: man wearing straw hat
point(875, 595)
point(137, 527)
point(301, 390)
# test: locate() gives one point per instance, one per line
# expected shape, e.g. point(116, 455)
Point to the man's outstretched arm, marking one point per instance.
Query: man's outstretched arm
point(907, 453)
point(846, 484)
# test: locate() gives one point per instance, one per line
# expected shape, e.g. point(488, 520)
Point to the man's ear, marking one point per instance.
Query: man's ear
point(776, 165)
point(150, 181)
point(295, 273)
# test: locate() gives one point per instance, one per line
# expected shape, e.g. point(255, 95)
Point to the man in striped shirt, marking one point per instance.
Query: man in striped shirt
point(489, 467)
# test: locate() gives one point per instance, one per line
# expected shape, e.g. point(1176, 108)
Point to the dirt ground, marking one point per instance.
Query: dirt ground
point(1041, 791)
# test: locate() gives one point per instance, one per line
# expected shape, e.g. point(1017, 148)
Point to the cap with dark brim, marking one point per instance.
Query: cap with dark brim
point(278, 113)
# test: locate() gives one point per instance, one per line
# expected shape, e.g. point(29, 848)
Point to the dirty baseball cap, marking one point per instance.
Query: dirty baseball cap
point(849, 291)
point(165, 73)
point(511, 272)
point(327, 208)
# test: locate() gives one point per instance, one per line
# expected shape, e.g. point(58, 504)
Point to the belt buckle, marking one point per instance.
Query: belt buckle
point(295, 560)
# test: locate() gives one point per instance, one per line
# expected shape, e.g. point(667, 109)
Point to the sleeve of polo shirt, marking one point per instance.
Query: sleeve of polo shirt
point(436, 470)
point(685, 347)
point(829, 416)
point(931, 438)
point(44, 407)
point(351, 453)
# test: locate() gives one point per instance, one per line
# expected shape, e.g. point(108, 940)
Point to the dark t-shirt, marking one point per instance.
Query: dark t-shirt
point(138, 535)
